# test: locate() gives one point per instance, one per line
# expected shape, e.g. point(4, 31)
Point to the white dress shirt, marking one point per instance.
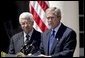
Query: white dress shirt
point(30, 34)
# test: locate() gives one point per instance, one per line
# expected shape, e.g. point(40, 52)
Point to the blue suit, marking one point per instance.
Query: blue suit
point(63, 45)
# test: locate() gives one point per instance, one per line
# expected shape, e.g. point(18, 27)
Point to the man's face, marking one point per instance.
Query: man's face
point(52, 19)
point(26, 25)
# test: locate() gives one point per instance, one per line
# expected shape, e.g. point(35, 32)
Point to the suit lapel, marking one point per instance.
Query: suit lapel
point(21, 40)
point(61, 31)
point(33, 36)
point(54, 44)
point(46, 41)
point(58, 36)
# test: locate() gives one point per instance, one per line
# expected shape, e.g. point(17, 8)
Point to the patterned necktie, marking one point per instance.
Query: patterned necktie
point(25, 47)
point(51, 40)
point(27, 40)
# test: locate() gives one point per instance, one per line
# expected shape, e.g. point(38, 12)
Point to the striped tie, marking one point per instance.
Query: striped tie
point(25, 47)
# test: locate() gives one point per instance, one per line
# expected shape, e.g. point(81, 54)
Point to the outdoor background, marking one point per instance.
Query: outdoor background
point(10, 11)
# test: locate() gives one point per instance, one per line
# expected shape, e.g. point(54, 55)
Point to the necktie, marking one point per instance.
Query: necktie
point(25, 47)
point(51, 40)
point(27, 40)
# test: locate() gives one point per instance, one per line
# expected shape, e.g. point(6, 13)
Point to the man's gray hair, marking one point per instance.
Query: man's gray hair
point(26, 15)
point(55, 10)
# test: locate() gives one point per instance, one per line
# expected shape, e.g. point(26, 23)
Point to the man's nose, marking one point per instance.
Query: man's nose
point(50, 19)
point(25, 25)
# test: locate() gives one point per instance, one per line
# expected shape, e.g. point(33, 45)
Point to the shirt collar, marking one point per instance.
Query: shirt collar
point(56, 29)
point(30, 34)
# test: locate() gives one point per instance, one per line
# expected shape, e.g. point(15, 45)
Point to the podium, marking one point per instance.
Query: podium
point(10, 55)
point(13, 55)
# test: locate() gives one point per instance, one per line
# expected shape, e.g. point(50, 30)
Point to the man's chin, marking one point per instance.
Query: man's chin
point(49, 27)
point(25, 31)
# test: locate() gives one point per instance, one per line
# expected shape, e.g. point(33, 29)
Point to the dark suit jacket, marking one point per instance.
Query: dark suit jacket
point(17, 42)
point(64, 46)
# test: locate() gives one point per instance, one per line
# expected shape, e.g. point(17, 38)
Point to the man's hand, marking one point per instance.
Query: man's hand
point(3, 54)
point(20, 54)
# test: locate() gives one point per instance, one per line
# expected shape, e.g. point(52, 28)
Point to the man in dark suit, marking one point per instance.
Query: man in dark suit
point(59, 40)
point(27, 41)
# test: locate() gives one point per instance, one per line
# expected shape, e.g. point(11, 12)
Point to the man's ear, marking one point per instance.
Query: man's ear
point(59, 17)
